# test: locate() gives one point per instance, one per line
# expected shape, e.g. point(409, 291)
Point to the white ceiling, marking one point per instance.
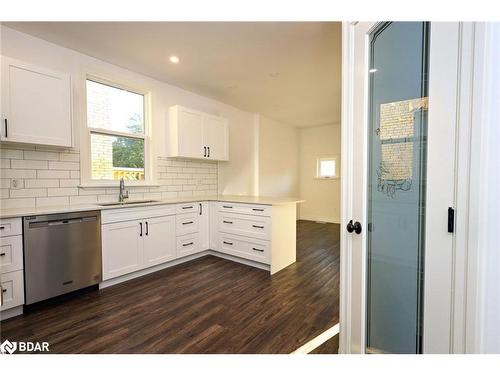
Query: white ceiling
point(287, 71)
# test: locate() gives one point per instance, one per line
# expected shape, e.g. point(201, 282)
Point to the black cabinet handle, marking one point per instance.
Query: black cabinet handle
point(227, 243)
point(258, 209)
point(227, 206)
point(227, 222)
point(2, 254)
point(208, 151)
point(140, 234)
point(187, 222)
point(201, 209)
point(187, 244)
point(258, 226)
point(6, 129)
point(451, 220)
point(204, 151)
point(2, 227)
point(254, 248)
point(187, 207)
point(4, 290)
point(147, 228)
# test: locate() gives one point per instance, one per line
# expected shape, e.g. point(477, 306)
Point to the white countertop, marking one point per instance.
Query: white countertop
point(270, 201)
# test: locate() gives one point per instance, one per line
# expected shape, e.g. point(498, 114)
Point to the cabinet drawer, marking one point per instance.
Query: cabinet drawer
point(185, 208)
point(12, 289)
point(242, 208)
point(135, 213)
point(188, 244)
point(245, 247)
point(11, 227)
point(11, 254)
point(245, 225)
point(187, 223)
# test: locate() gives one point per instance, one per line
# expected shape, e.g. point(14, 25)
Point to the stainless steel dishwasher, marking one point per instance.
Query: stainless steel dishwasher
point(62, 253)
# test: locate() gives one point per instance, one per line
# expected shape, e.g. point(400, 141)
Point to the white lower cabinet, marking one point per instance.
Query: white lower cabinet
point(159, 240)
point(12, 290)
point(122, 248)
point(11, 264)
point(189, 244)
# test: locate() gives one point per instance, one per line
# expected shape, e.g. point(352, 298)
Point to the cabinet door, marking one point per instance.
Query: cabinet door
point(36, 105)
point(12, 290)
point(204, 225)
point(216, 137)
point(190, 133)
point(122, 248)
point(159, 240)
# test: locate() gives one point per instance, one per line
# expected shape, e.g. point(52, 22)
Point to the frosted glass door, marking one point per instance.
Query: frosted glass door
point(397, 138)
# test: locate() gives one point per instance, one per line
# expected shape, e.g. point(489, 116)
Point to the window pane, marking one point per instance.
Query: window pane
point(327, 168)
point(114, 109)
point(117, 157)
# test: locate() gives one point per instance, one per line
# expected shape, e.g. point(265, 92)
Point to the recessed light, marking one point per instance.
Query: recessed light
point(174, 59)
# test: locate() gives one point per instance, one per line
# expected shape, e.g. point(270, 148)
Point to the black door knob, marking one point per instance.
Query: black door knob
point(357, 227)
point(350, 227)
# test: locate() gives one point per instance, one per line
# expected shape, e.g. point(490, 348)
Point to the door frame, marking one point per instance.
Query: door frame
point(463, 315)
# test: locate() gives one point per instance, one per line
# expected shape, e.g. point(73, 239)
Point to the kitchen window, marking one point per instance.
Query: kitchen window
point(326, 168)
point(117, 135)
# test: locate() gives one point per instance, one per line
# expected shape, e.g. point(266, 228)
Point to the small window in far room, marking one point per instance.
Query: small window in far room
point(326, 168)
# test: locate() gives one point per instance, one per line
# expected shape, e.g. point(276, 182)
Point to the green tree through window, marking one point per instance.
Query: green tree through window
point(129, 152)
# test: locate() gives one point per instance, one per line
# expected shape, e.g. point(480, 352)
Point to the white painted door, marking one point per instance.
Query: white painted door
point(215, 133)
point(190, 133)
point(36, 105)
point(398, 148)
point(159, 240)
point(122, 248)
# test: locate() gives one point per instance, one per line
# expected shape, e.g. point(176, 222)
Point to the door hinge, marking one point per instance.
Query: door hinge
point(451, 220)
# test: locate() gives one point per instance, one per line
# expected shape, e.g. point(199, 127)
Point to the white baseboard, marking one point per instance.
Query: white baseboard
point(159, 267)
point(10, 313)
point(330, 220)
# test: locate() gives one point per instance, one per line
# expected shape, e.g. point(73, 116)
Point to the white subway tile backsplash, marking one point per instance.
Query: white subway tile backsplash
point(40, 155)
point(66, 156)
point(52, 201)
point(17, 203)
point(66, 165)
point(56, 192)
point(5, 163)
point(18, 173)
point(6, 153)
point(78, 199)
point(48, 177)
point(41, 183)
point(25, 193)
point(52, 174)
point(29, 164)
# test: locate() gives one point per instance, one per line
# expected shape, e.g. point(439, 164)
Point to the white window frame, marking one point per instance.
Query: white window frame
point(318, 167)
point(85, 144)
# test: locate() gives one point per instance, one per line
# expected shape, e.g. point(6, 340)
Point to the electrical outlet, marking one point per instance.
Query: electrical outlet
point(16, 183)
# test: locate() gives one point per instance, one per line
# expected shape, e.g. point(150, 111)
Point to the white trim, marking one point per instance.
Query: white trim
point(318, 340)
point(346, 186)
point(85, 131)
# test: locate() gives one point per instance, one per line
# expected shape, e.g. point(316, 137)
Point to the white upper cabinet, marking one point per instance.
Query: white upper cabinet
point(36, 105)
point(197, 135)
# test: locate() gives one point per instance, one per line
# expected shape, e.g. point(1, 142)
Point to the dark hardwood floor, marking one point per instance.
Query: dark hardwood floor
point(209, 305)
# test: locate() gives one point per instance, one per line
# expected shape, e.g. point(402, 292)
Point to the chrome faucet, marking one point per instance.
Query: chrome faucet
point(123, 193)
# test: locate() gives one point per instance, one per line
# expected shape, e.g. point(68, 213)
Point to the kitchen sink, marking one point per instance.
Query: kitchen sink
point(127, 203)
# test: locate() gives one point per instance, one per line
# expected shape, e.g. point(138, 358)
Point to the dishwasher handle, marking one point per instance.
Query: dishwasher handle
point(47, 223)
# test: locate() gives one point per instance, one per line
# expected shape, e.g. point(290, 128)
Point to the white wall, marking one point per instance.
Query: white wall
point(235, 177)
point(322, 197)
point(278, 159)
